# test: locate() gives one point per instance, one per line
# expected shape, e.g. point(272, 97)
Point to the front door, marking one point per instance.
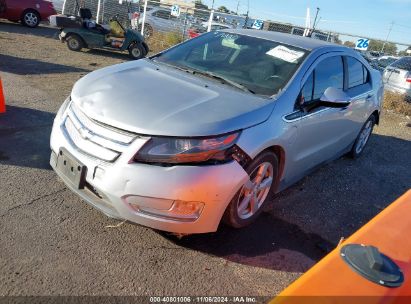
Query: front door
point(323, 132)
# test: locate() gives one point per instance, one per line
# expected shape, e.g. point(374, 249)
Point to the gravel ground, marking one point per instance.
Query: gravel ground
point(51, 243)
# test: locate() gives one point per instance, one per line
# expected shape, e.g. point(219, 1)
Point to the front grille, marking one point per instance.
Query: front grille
point(94, 138)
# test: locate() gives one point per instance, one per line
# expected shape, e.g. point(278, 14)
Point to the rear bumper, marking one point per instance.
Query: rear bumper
point(110, 187)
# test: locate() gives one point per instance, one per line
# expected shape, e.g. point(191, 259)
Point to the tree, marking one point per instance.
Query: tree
point(349, 44)
point(377, 46)
point(337, 39)
point(223, 9)
point(201, 10)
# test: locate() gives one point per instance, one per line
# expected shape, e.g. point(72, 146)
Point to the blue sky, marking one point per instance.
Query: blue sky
point(370, 18)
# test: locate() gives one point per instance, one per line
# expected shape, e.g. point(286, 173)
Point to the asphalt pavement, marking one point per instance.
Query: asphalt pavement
point(52, 243)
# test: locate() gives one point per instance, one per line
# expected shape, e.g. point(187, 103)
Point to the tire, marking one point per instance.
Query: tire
point(30, 18)
point(148, 31)
point(241, 213)
point(136, 51)
point(362, 138)
point(75, 43)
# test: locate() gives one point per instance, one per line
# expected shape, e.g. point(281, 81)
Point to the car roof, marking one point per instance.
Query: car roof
point(294, 40)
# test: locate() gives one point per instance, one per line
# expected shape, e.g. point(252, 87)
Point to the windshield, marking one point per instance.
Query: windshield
point(404, 63)
point(261, 66)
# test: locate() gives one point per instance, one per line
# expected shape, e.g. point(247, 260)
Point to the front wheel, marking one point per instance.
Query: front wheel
point(362, 138)
point(248, 202)
point(136, 51)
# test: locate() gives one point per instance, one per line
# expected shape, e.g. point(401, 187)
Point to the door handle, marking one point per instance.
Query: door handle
point(369, 96)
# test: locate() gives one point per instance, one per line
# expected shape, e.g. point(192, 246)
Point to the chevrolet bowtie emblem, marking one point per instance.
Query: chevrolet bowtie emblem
point(85, 133)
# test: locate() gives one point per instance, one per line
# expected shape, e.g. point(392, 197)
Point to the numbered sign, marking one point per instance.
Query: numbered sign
point(258, 24)
point(175, 11)
point(362, 44)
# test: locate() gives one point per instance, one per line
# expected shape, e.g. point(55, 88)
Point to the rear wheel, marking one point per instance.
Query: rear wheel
point(30, 18)
point(363, 137)
point(136, 51)
point(248, 202)
point(75, 43)
point(148, 31)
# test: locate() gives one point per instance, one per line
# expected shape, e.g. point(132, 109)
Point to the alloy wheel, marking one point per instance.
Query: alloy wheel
point(31, 19)
point(255, 191)
point(364, 136)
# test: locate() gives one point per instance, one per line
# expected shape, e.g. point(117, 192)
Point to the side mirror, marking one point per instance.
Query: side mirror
point(335, 98)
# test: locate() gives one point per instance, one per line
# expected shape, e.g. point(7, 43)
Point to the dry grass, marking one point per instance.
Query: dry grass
point(397, 103)
point(160, 41)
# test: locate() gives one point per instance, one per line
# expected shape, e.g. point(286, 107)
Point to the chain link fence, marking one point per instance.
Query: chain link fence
point(163, 27)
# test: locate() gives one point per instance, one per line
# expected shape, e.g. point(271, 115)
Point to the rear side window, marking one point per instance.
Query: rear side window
point(404, 64)
point(357, 72)
point(328, 73)
point(162, 14)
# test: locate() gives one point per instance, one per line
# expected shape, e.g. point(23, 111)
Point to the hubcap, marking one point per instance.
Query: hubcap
point(136, 52)
point(255, 191)
point(364, 136)
point(31, 19)
point(73, 43)
point(147, 32)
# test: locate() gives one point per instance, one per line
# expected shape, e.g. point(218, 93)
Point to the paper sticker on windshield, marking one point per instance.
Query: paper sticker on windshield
point(286, 54)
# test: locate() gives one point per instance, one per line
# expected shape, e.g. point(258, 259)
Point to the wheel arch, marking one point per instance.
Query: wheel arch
point(68, 34)
point(280, 153)
point(28, 10)
point(376, 114)
point(145, 45)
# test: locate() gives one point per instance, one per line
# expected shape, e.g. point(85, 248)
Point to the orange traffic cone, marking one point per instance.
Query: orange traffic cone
point(2, 99)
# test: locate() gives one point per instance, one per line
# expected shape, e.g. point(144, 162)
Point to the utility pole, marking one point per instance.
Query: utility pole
point(212, 5)
point(388, 35)
point(315, 21)
point(238, 4)
point(248, 12)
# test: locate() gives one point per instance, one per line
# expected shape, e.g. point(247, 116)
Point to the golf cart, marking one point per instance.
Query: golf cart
point(82, 32)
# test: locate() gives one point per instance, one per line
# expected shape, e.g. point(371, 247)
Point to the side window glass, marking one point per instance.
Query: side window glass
point(328, 73)
point(162, 14)
point(356, 73)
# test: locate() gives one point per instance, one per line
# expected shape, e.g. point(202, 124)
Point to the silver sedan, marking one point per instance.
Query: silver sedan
point(212, 129)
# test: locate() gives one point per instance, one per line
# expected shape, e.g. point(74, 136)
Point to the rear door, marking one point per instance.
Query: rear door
point(359, 88)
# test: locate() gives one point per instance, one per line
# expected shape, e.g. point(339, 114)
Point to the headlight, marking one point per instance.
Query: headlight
point(187, 150)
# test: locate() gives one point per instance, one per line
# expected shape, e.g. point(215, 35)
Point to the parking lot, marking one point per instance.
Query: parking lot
point(52, 243)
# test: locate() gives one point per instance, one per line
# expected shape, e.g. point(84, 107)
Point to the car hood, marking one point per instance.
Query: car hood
point(153, 99)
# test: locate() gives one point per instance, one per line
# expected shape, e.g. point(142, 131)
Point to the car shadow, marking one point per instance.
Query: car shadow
point(24, 66)
point(306, 221)
point(108, 53)
point(270, 242)
point(24, 137)
point(16, 28)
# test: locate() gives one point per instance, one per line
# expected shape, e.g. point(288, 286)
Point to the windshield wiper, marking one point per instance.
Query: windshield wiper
point(209, 74)
point(225, 80)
